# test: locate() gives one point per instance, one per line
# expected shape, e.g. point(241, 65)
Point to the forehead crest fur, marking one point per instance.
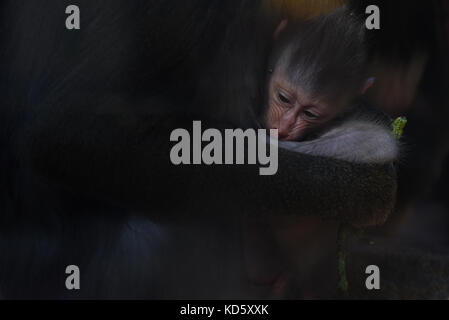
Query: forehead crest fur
point(325, 55)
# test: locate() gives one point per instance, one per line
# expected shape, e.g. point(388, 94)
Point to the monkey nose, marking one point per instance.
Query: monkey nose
point(288, 121)
point(285, 127)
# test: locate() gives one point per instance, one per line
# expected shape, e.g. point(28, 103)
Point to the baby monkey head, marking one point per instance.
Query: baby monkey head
point(317, 68)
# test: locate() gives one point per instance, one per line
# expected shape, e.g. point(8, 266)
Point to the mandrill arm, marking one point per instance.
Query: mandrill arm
point(123, 159)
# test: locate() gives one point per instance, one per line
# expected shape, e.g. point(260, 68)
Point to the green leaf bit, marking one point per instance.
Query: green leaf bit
point(398, 126)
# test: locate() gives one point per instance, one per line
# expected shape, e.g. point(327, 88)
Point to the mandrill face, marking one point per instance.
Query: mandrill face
point(292, 111)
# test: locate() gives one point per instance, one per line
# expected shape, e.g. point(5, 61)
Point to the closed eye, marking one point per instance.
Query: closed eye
point(283, 98)
point(310, 115)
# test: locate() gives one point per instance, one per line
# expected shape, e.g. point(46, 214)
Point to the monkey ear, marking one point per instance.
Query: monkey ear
point(280, 28)
point(368, 83)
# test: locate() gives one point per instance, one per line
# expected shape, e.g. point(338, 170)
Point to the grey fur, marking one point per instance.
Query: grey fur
point(313, 53)
point(355, 140)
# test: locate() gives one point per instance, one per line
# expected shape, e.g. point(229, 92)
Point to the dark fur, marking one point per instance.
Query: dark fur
point(85, 174)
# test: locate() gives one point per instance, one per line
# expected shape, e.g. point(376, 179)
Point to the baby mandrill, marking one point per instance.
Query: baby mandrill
point(317, 76)
point(318, 70)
